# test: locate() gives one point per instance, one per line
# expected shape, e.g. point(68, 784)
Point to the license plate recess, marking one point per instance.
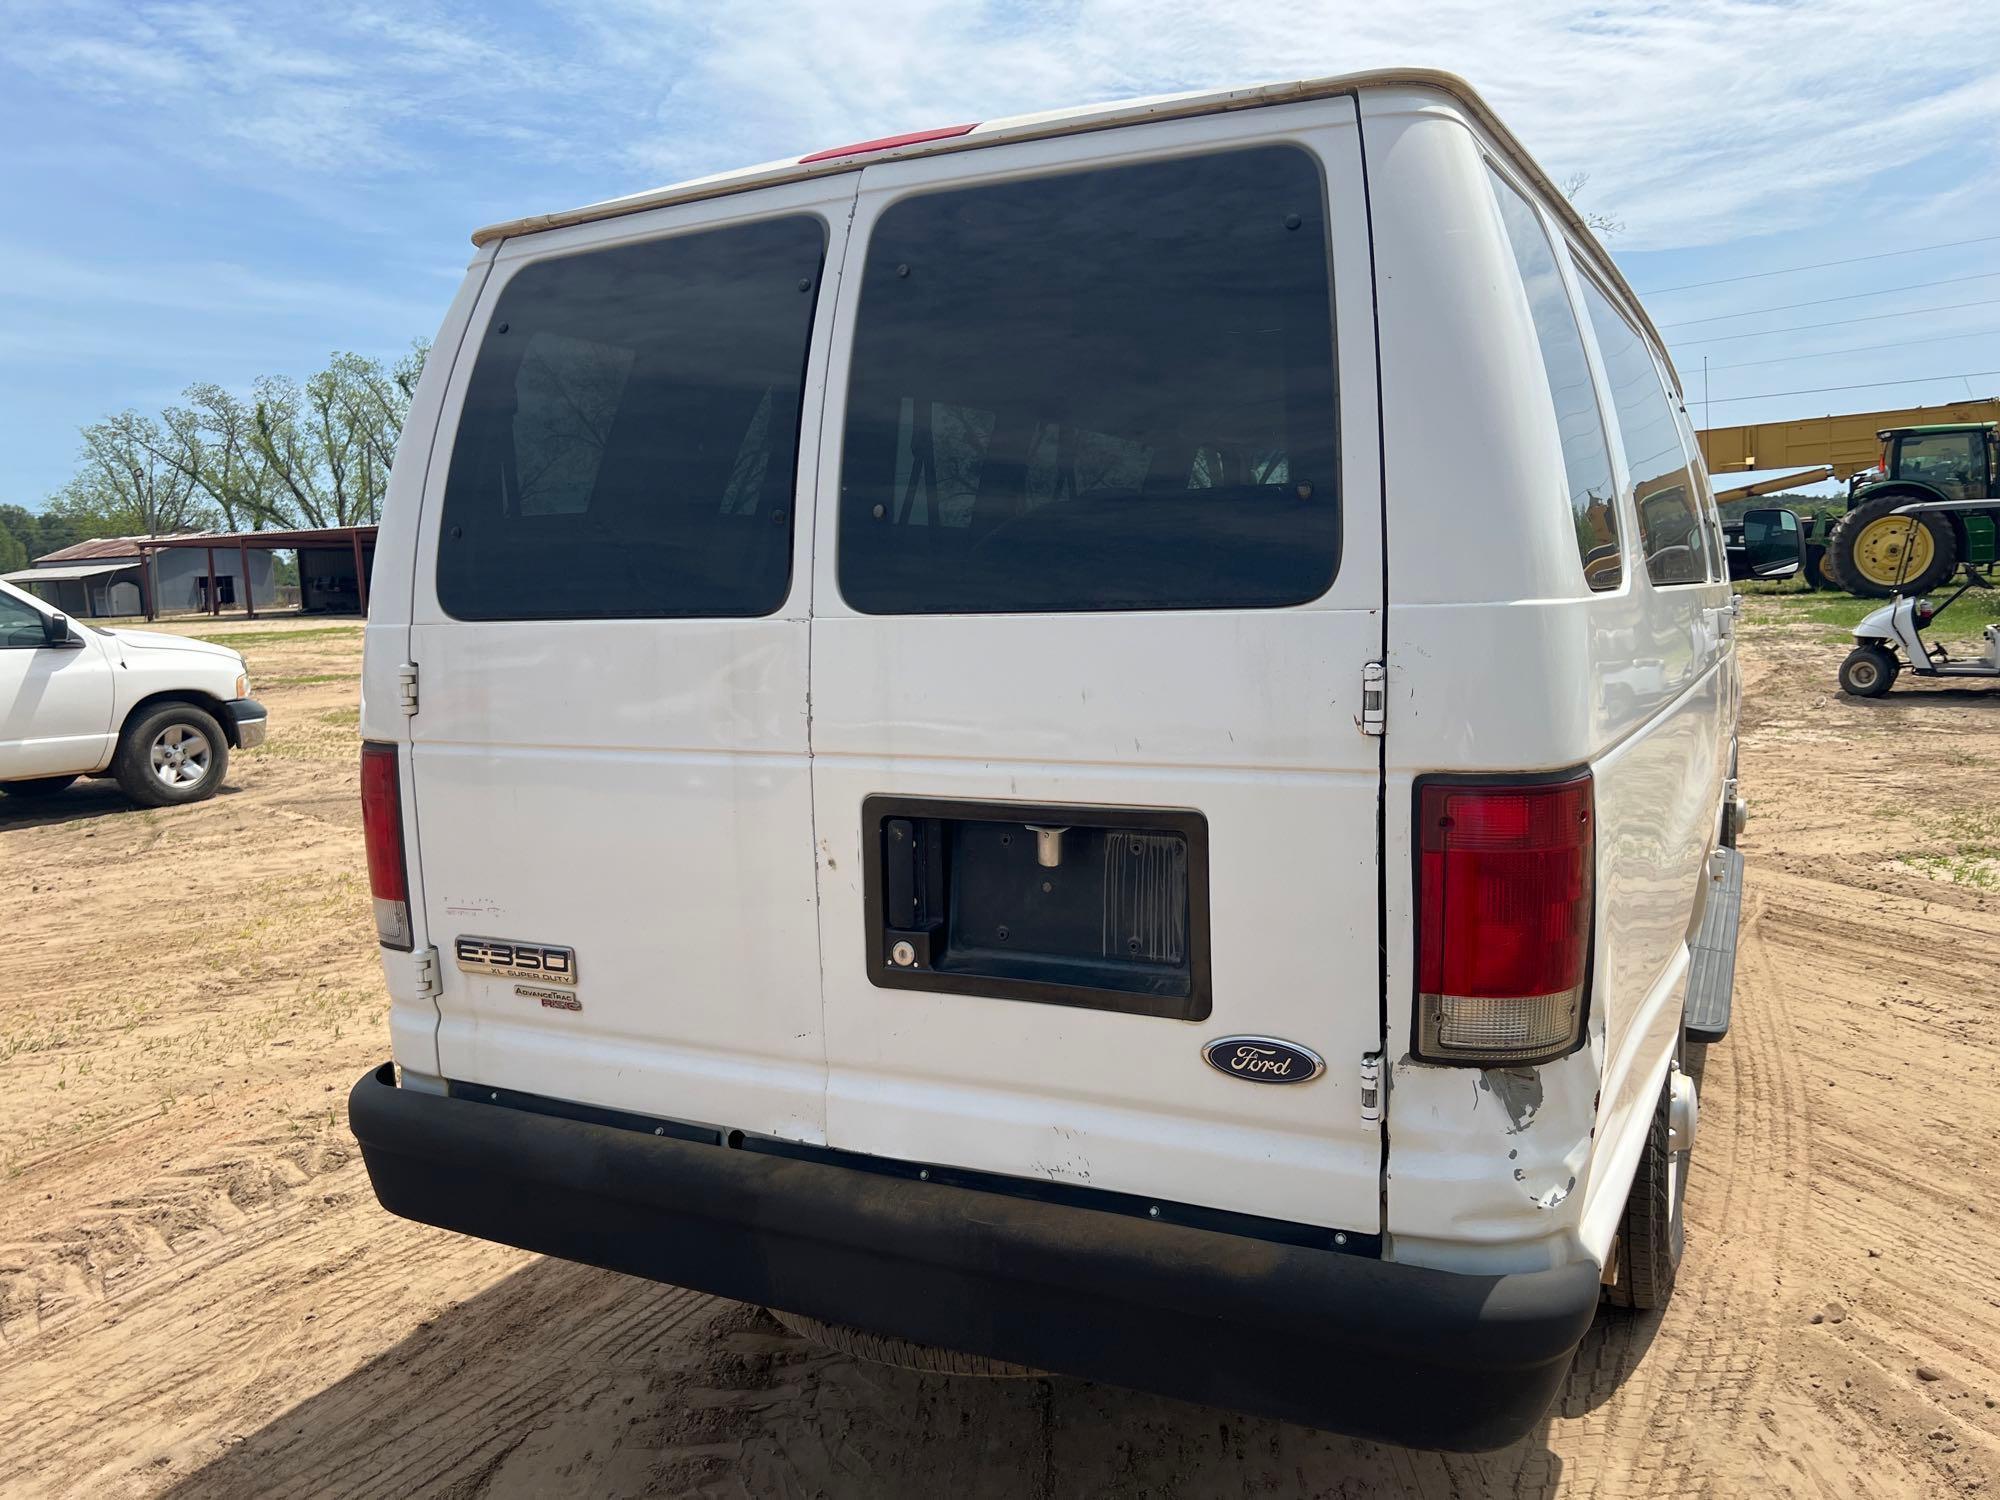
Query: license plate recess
point(1101, 907)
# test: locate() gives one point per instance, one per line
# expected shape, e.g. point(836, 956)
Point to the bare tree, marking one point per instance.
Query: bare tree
point(330, 441)
point(212, 441)
point(295, 454)
point(1600, 223)
point(124, 486)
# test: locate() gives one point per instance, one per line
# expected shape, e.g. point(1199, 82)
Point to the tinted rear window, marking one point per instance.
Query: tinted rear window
point(1110, 389)
point(630, 432)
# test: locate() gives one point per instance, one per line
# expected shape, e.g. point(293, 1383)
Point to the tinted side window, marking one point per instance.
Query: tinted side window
point(1593, 494)
point(630, 432)
point(1663, 486)
point(1718, 565)
point(1955, 462)
point(1111, 389)
point(20, 625)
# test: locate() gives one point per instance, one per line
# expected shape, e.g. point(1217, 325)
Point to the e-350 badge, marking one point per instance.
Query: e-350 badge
point(502, 958)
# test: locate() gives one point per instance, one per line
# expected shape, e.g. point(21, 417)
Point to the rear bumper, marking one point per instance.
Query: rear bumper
point(245, 719)
point(1357, 1345)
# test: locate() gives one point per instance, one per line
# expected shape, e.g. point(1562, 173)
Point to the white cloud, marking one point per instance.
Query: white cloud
point(1698, 121)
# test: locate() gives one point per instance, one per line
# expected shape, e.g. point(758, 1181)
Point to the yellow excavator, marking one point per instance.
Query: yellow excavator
point(1923, 489)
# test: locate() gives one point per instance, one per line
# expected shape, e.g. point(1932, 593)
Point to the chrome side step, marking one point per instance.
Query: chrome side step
point(1712, 975)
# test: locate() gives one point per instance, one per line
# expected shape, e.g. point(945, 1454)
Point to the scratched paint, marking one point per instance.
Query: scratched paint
point(1519, 1091)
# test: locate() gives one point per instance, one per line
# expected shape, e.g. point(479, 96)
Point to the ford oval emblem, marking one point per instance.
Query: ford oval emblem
point(1263, 1059)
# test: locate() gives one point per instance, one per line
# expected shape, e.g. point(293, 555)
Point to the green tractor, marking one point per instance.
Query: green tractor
point(1954, 472)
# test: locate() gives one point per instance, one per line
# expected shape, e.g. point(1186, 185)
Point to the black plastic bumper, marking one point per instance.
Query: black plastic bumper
point(245, 719)
point(1357, 1345)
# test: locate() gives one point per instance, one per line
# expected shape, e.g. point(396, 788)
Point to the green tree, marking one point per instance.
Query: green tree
point(41, 534)
point(296, 454)
point(211, 441)
point(330, 440)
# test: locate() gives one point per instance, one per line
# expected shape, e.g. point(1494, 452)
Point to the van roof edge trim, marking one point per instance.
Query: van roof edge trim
point(1095, 117)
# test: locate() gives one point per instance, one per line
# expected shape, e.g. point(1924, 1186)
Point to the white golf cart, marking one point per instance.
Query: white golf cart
point(1893, 635)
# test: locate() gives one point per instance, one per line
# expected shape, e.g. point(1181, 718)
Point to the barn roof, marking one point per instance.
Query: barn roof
point(95, 550)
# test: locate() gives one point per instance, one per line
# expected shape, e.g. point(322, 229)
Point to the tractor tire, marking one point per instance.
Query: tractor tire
point(1870, 550)
point(1869, 671)
point(1813, 572)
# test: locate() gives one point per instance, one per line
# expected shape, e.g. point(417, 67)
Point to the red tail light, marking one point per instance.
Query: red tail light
point(382, 828)
point(1505, 881)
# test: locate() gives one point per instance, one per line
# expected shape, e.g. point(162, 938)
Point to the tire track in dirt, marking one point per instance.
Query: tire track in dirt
point(204, 1300)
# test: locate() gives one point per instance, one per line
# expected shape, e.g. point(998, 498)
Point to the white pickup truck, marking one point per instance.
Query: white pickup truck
point(158, 712)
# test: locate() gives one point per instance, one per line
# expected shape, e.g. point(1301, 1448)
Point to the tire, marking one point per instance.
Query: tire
point(1813, 572)
point(1866, 551)
point(171, 754)
point(1869, 671)
point(1652, 1232)
point(883, 1350)
point(37, 786)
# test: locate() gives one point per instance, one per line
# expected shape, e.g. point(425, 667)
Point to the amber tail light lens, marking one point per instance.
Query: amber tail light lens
point(1505, 884)
point(382, 828)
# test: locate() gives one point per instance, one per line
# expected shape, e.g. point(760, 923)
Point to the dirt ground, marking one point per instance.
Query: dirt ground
point(199, 1296)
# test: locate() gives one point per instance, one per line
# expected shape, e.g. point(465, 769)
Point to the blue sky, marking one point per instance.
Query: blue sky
point(215, 191)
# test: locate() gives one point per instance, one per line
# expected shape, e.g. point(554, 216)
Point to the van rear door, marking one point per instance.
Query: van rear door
point(609, 623)
point(1098, 581)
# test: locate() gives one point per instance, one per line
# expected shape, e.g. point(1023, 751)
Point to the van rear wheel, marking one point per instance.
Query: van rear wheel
point(1652, 1232)
point(883, 1350)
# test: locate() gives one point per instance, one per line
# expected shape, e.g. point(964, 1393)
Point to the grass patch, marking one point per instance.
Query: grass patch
point(309, 679)
point(342, 718)
point(236, 638)
point(1964, 621)
point(1980, 607)
point(1971, 856)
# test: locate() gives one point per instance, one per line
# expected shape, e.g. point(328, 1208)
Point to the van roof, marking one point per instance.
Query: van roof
point(1085, 118)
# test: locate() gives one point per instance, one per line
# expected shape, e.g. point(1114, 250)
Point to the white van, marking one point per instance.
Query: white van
point(1101, 741)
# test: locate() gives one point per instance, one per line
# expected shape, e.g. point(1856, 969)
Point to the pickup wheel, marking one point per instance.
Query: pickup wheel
point(170, 754)
point(36, 786)
point(901, 1353)
point(1651, 1233)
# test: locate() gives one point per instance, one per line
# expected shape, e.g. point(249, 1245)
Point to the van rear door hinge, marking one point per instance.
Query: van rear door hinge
point(1374, 698)
point(1371, 1085)
point(427, 972)
point(406, 687)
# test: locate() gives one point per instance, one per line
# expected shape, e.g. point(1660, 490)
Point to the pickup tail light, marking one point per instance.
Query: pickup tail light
point(382, 828)
point(1505, 887)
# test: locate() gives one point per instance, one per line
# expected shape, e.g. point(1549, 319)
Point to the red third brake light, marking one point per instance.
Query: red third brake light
point(890, 142)
point(382, 828)
point(1505, 883)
